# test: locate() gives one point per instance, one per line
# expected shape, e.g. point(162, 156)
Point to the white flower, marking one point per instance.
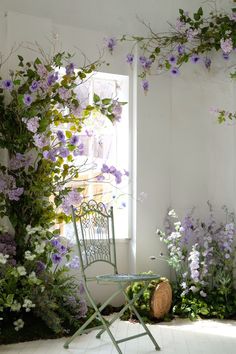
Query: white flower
point(21, 270)
point(193, 288)
point(172, 213)
point(29, 256)
point(39, 248)
point(184, 285)
point(202, 293)
point(16, 306)
point(28, 304)
point(3, 258)
point(18, 324)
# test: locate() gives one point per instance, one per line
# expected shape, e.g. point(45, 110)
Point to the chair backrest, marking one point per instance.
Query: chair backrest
point(96, 238)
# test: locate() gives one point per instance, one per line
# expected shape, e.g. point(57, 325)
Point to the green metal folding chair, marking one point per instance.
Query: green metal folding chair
point(96, 243)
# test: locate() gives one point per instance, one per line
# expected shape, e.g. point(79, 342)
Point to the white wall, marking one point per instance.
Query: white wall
point(182, 157)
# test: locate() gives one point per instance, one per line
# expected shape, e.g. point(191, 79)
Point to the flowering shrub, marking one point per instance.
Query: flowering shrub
point(193, 38)
point(41, 118)
point(37, 284)
point(202, 254)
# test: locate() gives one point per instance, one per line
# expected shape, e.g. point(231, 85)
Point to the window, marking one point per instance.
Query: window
point(105, 143)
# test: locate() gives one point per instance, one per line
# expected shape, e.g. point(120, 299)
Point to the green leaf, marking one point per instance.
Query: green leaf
point(96, 98)
point(68, 134)
point(204, 311)
point(106, 101)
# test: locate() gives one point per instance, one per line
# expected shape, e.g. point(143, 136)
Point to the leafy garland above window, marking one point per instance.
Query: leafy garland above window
point(192, 39)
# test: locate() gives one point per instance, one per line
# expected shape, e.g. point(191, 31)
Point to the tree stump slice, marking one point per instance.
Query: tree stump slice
point(161, 300)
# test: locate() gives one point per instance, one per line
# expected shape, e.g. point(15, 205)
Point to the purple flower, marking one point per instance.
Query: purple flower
point(55, 242)
point(112, 170)
point(19, 161)
point(145, 62)
point(226, 45)
point(72, 198)
point(118, 176)
point(56, 258)
point(126, 173)
point(172, 59)
point(50, 155)
point(62, 249)
point(74, 140)
point(64, 152)
point(70, 69)
point(40, 267)
point(7, 85)
point(15, 194)
point(191, 34)
point(34, 86)
point(225, 56)
point(32, 124)
point(64, 93)
point(40, 140)
point(100, 178)
point(61, 136)
point(130, 58)
point(207, 62)
point(174, 71)
point(145, 85)
point(41, 70)
point(105, 168)
point(79, 150)
point(180, 26)
point(195, 58)
point(27, 100)
point(52, 78)
point(117, 110)
point(74, 263)
point(181, 49)
point(110, 43)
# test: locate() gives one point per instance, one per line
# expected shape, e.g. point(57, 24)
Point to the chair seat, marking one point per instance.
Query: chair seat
point(127, 277)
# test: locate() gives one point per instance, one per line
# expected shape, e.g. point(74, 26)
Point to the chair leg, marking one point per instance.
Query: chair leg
point(141, 320)
point(105, 325)
point(79, 331)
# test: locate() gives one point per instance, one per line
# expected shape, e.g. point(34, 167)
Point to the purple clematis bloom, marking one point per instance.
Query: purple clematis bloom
point(145, 85)
point(79, 150)
point(61, 136)
point(34, 86)
point(174, 71)
point(27, 99)
point(130, 58)
point(52, 78)
point(110, 43)
point(74, 140)
point(7, 85)
point(56, 258)
point(70, 69)
point(105, 168)
point(181, 49)
point(40, 266)
point(64, 152)
point(195, 58)
point(225, 56)
point(207, 62)
point(172, 59)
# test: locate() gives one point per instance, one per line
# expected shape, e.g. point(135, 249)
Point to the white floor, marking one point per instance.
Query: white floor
point(176, 337)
